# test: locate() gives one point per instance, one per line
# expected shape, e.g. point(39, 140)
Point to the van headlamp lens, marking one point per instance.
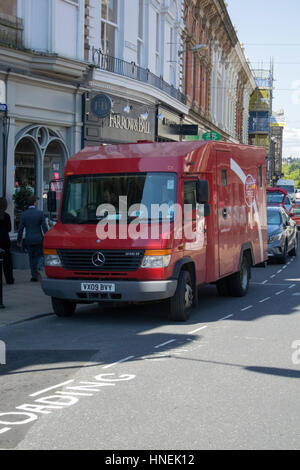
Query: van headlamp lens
point(51, 258)
point(156, 259)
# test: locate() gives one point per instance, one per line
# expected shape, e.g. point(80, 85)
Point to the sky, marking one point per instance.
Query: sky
point(270, 29)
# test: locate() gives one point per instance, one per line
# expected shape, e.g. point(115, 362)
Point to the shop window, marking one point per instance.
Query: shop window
point(53, 174)
point(25, 175)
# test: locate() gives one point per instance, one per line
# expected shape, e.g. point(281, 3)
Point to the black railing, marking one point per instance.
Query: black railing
point(131, 70)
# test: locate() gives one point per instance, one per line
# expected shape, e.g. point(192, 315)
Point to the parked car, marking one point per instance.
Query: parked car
point(294, 213)
point(282, 234)
point(297, 195)
point(278, 197)
point(288, 185)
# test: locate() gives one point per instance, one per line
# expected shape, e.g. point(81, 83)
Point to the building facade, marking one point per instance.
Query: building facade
point(260, 114)
point(41, 78)
point(217, 78)
point(87, 72)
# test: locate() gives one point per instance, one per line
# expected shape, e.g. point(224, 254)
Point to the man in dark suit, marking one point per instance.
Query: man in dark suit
point(34, 222)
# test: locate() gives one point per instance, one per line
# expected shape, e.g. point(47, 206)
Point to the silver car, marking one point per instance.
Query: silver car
point(282, 234)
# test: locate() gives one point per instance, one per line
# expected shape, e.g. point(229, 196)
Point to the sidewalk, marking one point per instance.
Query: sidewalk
point(23, 299)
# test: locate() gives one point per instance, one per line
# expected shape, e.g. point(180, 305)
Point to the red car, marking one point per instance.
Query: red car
point(278, 197)
point(294, 214)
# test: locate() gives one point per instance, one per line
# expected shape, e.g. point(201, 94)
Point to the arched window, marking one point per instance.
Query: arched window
point(40, 158)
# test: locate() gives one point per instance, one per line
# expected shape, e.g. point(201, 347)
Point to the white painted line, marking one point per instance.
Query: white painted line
point(296, 293)
point(118, 362)
point(293, 285)
point(280, 271)
point(227, 316)
point(198, 329)
point(284, 267)
point(279, 292)
point(264, 300)
point(246, 308)
point(40, 392)
point(163, 344)
point(274, 275)
point(3, 430)
point(265, 282)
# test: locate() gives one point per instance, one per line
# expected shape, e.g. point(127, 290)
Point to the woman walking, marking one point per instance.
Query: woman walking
point(5, 228)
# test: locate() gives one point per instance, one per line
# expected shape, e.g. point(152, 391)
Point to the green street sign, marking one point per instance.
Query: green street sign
point(211, 135)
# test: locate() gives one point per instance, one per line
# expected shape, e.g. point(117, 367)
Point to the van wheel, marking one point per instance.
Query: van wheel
point(62, 307)
point(182, 301)
point(239, 282)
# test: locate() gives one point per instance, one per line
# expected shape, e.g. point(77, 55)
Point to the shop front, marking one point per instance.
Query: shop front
point(39, 160)
point(109, 119)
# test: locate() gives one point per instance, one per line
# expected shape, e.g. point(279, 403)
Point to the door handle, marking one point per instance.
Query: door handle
point(225, 213)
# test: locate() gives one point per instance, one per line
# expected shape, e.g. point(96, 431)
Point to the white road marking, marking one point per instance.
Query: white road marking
point(296, 293)
point(280, 271)
point(227, 316)
point(118, 362)
point(264, 300)
point(40, 392)
point(265, 282)
point(198, 329)
point(279, 292)
point(3, 430)
point(293, 285)
point(246, 308)
point(273, 275)
point(163, 344)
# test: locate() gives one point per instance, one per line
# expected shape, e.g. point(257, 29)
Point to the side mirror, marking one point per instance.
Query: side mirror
point(51, 201)
point(206, 210)
point(202, 191)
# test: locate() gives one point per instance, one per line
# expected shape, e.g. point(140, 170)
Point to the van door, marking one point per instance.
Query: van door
point(194, 230)
point(225, 212)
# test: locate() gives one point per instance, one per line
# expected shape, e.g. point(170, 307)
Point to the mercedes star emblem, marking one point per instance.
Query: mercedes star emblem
point(98, 259)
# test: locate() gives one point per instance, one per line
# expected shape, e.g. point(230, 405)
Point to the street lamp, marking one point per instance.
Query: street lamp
point(196, 48)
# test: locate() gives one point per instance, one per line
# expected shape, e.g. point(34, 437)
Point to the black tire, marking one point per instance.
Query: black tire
point(294, 251)
point(223, 287)
point(283, 258)
point(182, 301)
point(239, 282)
point(62, 307)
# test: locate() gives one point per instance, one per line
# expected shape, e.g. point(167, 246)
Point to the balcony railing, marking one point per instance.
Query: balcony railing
point(131, 70)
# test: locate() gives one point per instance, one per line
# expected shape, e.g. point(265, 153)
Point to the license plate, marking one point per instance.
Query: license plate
point(97, 287)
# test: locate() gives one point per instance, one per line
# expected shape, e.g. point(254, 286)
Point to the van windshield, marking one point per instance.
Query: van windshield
point(89, 198)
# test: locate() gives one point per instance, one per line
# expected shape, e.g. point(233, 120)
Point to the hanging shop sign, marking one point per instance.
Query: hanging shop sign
point(211, 135)
point(101, 105)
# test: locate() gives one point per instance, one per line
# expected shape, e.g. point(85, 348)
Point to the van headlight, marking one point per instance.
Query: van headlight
point(156, 259)
point(51, 258)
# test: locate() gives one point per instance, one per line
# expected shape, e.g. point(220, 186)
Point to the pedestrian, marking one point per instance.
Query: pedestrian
point(34, 222)
point(5, 228)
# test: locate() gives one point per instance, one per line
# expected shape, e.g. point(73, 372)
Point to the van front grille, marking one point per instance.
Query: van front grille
point(101, 260)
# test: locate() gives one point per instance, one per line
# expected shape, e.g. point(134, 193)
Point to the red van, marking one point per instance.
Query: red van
point(152, 221)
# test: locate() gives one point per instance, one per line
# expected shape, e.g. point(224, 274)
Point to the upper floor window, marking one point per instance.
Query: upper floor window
point(109, 19)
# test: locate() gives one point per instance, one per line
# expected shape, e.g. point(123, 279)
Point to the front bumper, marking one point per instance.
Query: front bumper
point(125, 291)
point(275, 249)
